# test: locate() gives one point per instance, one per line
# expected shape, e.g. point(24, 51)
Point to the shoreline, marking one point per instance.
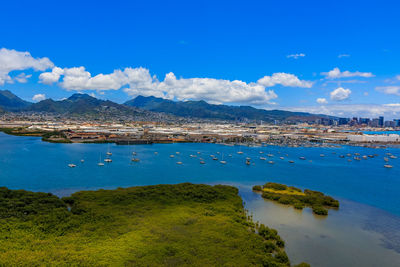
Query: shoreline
point(138, 141)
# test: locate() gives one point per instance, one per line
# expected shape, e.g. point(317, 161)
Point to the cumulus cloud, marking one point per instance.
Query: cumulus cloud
point(12, 60)
point(285, 79)
point(389, 90)
point(139, 81)
point(22, 77)
point(322, 101)
point(51, 77)
point(216, 90)
point(389, 111)
point(39, 97)
point(340, 94)
point(336, 73)
point(296, 56)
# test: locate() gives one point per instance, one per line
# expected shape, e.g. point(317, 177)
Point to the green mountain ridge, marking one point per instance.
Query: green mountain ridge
point(204, 110)
point(149, 107)
point(11, 102)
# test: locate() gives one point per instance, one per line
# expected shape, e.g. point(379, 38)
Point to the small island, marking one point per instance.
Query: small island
point(160, 225)
point(299, 199)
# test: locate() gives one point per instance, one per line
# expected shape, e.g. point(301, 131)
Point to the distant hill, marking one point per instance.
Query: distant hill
point(201, 109)
point(11, 102)
point(82, 104)
point(148, 108)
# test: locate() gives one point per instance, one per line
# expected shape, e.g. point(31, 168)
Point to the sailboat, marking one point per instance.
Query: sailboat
point(108, 150)
point(100, 163)
point(223, 161)
point(240, 150)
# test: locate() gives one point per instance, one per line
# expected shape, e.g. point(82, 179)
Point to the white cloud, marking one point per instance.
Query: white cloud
point(285, 79)
point(140, 82)
point(22, 78)
point(12, 60)
point(51, 77)
point(215, 90)
point(336, 73)
point(389, 90)
point(322, 101)
point(398, 77)
point(39, 97)
point(296, 56)
point(340, 94)
point(343, 55)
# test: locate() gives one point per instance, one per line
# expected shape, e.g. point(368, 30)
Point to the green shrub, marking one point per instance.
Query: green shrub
point(319, 210)
point(282, 257)
point(275, 186)
point(257, 188)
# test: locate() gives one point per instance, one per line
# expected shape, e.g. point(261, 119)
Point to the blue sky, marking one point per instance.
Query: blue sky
point(205, 48)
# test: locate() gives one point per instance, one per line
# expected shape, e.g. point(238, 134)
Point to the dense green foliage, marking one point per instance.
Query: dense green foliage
point(201, 109)
point(257, 188)
point(54, 137)
point(290, 195)
point(163, 225)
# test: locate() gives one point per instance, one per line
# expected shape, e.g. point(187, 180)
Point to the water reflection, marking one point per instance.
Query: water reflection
point(354, 235)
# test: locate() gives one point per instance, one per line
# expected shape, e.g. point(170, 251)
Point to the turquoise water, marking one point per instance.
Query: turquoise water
point(381, 132)
point(370, 206)
point(28, 163)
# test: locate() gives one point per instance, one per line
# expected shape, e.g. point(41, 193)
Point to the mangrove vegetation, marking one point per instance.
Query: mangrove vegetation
point(161, 225)
point(297, 198)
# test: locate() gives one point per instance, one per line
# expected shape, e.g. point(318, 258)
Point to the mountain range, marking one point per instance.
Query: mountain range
point(84, 105)
point(204, 110)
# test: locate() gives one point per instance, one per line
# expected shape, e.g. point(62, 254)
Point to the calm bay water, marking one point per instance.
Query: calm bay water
point(364, 231)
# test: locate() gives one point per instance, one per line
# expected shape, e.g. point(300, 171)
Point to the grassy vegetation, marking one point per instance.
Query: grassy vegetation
point(290, 195)
point(163, 225)
point(53, 137)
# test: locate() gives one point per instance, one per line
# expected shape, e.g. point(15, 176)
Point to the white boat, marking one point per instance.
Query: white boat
point(281, 157)
point(71, 165)
point(302, 158)
point(271, 162)
point(202, 162)
point(388, 166)
point(107, 160)
point(392, 157)
point(135, 159)
point(179, 163)
point(134, 153)
point(82, 160)
point(223, 161)
point(322, 155)
point(171, 156)
point(240, 152)
point(100, 163)
point(108, 150)
point(262, 158)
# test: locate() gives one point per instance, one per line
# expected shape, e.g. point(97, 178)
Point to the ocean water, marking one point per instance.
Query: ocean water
point(381, 132)
point(367, 223)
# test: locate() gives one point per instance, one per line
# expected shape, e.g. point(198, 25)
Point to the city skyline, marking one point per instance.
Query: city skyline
point(269, 57)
